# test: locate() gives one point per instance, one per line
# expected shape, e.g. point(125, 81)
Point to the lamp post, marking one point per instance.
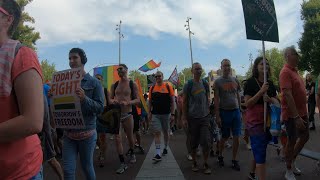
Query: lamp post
point(120, 36)
point(187, 26)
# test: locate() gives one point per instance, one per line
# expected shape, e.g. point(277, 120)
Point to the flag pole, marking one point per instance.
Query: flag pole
point(264, 81)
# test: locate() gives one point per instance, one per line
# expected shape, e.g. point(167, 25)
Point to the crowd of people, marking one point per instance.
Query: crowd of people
point(26, 115)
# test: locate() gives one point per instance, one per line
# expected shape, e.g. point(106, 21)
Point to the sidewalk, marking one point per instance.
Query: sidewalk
point(167, 169)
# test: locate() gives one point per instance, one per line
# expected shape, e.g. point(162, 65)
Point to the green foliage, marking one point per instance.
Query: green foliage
point(47, 69)
point(135, 74)
point(309, 43)
point(185, 75)
point(26, 34)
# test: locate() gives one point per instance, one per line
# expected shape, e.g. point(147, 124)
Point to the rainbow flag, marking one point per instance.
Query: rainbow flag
point(143, 102)
point(149, 66)
point(109, 74)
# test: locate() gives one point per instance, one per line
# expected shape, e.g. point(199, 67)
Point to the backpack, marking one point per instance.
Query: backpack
point(190, 85)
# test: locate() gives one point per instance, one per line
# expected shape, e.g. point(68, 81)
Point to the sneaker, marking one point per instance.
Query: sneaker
point(112, 137)
point(101, 160)
point(206, 168)
point(133, 158)
point(129, 152)
point(289, 175)
point(248, 146)
point(157, 158)
point(198, 152)
point(165, 152)
point(123, 167)
point(195, 167)
point(296, 171)
point(189, 157)
point(137, 146)
point(252, 176)
point(220, 161)
point(235, 165)
point(228, 145)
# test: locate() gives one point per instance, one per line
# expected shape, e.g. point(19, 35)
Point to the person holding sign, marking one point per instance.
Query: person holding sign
point(254, 96)
point(293, 110)
point(21, 102)
point(125, 93)
point(83, 141)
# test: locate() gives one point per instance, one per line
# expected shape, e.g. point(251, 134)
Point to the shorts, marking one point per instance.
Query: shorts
point(101, 129)
point(160, 122)
point(200, 133)
point(230, 119)
point(259, 145)
point(293, 133)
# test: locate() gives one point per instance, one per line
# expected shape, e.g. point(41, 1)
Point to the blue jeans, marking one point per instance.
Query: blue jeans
point(70, 151)
point(38, 176)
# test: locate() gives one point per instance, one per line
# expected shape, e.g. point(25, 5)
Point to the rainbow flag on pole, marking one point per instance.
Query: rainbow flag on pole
point(109, 74)
point(149, 66)
point(143, 101)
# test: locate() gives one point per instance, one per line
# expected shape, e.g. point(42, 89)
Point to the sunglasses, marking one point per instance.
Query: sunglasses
point(120, 69)
point(157, 76)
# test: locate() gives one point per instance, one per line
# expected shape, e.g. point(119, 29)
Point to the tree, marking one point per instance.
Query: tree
point(135, 74)
point(185, 75)
point(47, 69)
point(309, 43)
point(26, 34)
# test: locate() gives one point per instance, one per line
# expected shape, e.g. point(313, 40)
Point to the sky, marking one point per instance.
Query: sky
point(154, 29)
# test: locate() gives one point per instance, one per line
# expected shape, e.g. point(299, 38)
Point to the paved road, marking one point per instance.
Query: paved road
point(276, 168)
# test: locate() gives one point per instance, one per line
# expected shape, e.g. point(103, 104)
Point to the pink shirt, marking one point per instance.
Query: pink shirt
point(22, 158)
point(290, 79)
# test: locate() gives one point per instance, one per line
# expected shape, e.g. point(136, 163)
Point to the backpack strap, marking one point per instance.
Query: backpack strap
point(168, 87)
point(206, 86)
point(131, 88)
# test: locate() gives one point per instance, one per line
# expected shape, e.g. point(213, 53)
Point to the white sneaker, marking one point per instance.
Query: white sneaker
point(296, 171)
point(228, 145)
point(289, 175)
point(248, 146)
point(189, 157)
point(171, 133)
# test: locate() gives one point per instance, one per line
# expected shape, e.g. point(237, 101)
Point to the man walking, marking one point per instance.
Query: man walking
point(227, 106)
point(124, 93)
point(161, 111)
point(293, 110)
point(195, 115)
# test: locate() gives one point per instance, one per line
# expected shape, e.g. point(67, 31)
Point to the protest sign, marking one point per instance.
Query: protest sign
point(65, 104)
point(261, 20)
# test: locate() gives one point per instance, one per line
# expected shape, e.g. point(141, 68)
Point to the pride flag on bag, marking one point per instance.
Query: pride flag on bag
point(149, 66)
point(109, 74)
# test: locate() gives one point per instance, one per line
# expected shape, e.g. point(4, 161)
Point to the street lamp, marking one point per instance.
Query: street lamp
point(120, 36)
point(187, 26)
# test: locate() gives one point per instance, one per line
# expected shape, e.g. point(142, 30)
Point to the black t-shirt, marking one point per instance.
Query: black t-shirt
point(252, 87)
point(311, 98)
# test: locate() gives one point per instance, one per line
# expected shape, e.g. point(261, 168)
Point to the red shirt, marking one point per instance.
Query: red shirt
point(20, 159)
point(291, 80)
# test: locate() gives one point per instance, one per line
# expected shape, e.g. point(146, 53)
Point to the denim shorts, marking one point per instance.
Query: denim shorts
point(230, 120)
point(39, 175)
point(259, 145)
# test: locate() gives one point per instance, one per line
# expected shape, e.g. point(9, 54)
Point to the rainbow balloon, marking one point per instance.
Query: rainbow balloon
point(109, 74)
point(149, 66)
